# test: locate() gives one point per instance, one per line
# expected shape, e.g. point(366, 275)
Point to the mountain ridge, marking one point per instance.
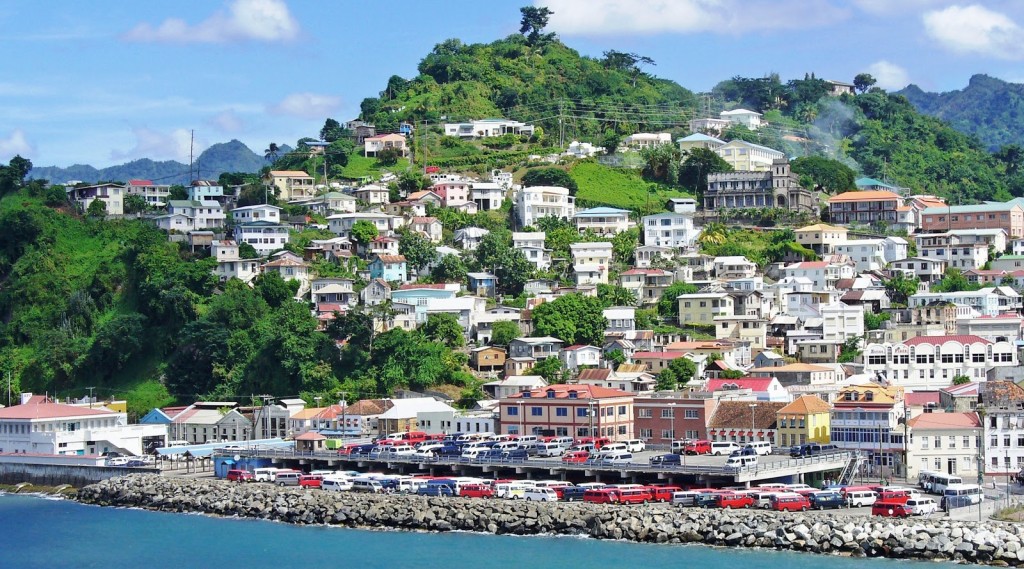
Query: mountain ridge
point(988, 107)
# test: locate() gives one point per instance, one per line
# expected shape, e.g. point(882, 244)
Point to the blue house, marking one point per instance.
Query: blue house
point(482, 284)
point(389, 268)
point(421, 297)
point(155, 417)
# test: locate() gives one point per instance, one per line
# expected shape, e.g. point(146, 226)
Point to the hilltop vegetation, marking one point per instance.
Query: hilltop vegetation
point(988, 108)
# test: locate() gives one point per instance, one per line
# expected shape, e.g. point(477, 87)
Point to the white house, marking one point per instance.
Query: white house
point(734, 267)
point(430, 227)
point(591, 262)
point(925, 269)
point(822, 274)
point(487, 195)
point(958, 249)
point(579, 149)
point(449, 422)
point(604, 221)
point(642, 140)
point(873, 254)
point(230, 265)
point(749, 157)
point(944, 442)
point(931, 362)
point(469, 238)
point(341, 224)
point(991, 301)
point(841, 321)
point(580, 355)
point(487, 128)
point(749, 119)
point(156, 195)
point(264, 236)
point(205, 214)
point(1004, 427)
point(112, 195)
point(372, 194)
point(532, 245)
point(210, 422)
point(39, 426)
point(674, 230)
point(259, 212)
point(544, 201)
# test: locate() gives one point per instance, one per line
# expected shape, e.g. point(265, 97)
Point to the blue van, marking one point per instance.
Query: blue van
point(440, 487)
point(666, 460)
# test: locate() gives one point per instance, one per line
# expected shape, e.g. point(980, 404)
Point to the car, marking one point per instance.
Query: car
point(889, 509)
point(335, 484)
point(576, 457)
point(361, 450)
point(921, 506)
point(311, 480)
point(791, 502)
point(706, 499)
point(733, 500)
point(441, 487)
point(395, 451)
point(576, 493)
point(238, 475)
point(476, 491)
point(740, 462)
point(118, 461)
point(826, 500)
point(686, 498)
point(762, 448)
point(612, 458)
point(665, 460)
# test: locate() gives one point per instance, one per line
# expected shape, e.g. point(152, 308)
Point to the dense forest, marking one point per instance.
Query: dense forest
point(989, 108)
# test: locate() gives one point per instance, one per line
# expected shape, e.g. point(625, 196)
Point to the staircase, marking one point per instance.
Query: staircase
point(850, 471)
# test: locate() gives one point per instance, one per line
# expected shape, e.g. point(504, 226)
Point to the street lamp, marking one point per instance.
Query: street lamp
point(672, 416)
point(591, 414)
point(752, 407)
point(520, 403)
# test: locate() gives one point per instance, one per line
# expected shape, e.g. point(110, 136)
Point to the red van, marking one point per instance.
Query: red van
point(476, 491)
point(890, 509)
point(598, 442)
point(601, 496)
point(310, 480)
point(697, 447)
point(632, 496)
point(894, 496)
point(730, 500)
point(576, 457)
point(791, 503)
point(663, 493)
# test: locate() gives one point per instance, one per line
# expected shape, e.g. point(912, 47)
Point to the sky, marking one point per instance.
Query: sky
point(106, 82)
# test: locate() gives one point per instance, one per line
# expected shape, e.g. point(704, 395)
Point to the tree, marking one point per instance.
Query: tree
point(510, 266)
point(612, 295)
point(533, 22)
point(624, 245)
point(550, 177)
point(271, 152)
point(97, 209)
point(616, 358)
point(418, 250)
point(178, 192)
point(450, 269)
point(863, 81)
point(550, 369)
point(953, 280)
point(611, 141)
point(850, 350)
point(662, 163)
point(331, 130)
point(697, 164)
point(826, 174)
point(679, 371)
point(388, 156)
point(900, 288)
point(714, 233)
point(503, 332)
point(247, 251)
point(134, 203)
point(444, 328)
point(873, 321)
point(961, 379)
point(363, 232)
point(274, 290)
point(668, 306)
point(572, 318)
point(412, 181)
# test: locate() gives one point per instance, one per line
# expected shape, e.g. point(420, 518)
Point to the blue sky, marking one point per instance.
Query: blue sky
point(107, 82)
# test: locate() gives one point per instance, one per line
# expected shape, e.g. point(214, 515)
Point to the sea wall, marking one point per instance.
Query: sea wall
point(57, 474)
point(991, 543)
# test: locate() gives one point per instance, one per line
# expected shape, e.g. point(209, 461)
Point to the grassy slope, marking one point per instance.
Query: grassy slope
point(359, 166)
point(602, 185)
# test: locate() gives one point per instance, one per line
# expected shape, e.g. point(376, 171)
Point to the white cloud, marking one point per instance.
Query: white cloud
point(889, 76)
point(976, 30)
point(256, 20)
point(227, 122)
point(610, 17)
point(157, 145)
point(16, 143)
point(306, 105)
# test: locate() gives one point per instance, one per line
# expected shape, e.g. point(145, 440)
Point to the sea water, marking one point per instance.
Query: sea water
point(51, 533)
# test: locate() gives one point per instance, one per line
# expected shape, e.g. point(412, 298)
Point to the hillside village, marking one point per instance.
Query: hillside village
point(866, 342)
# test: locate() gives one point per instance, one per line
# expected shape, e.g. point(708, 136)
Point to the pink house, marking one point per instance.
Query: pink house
point(453, 194)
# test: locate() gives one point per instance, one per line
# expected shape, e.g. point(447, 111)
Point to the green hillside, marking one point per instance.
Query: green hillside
point(626, 189)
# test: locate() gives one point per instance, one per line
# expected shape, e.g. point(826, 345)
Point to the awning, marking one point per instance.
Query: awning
point(228, 461)
point(771, 435)
point(760, 433)
point(731, 433)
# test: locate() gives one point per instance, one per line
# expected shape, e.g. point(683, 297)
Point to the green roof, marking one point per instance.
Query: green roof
point(873, 183)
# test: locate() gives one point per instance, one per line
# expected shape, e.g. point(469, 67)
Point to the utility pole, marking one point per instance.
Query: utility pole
point(561, 126)
point(191, 145)
point(90, 395)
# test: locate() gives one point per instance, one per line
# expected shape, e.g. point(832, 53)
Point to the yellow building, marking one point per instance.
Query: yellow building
point(805, 420)
point(291, 184)
point(703, 307)
point(821, 237)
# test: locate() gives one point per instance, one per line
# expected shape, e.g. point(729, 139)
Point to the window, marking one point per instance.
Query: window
point(692, 414)
point(536, 411)
point(622, 409)
point(667, 434)
point(581, 411)
point(994, 442)
point(667, 413)
point(967, 442)
point(646, 433)
point(561, 412)
point(645, 413)
point(924, 443)
point(876, 360)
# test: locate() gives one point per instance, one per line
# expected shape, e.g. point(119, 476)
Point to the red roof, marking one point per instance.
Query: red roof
point(937, 340)
point(945, 421)
point(310, 436)
point(49, 411)
point(562, 390)
point(657, 272)
point(330, 307)
point(575, 347)
point(755, 384)
point(921, 398)
point(140, 182)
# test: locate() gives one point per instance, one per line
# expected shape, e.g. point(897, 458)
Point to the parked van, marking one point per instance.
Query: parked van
point(762, 448)
point(665, 460)
point(336, 484)
point(615, 457)
point(899, 496)
point(685, 499)
point(827, 499)
point(741, 461)
point(791, 503)
point(921, 506)
point(613, 447)
point(564, 441)
point(763, 499)
point(861, 498)
point(526, 439)
point(634, 496)
point(540, 495)
point(723, 447)
point(698, 447)
point(287, 478)
point(549, 450)
point(957, 495)
point(635, 445)
point(264, 474)
point(367, 485)
point(510, 490)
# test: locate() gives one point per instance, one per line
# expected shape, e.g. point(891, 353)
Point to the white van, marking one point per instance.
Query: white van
point(550, 450)
point(526, 440)
point(741, 461)
point(473, 452)
point(264, 474)
point(367, 485)
point(511, 491)
point(506, 445)
point(616, 457)
point(723, 447)
point(564, 441)
point(540, 495)
point(762, 448)
point(861, 498)
point(636, 445)
point(614, 447)
point(287, 478)
point(336, 484)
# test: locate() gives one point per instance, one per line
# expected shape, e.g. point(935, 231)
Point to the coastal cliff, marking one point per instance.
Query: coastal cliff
point(990, 543)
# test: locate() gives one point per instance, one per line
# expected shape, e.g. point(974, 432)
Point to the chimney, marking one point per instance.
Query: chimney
point(25, 396)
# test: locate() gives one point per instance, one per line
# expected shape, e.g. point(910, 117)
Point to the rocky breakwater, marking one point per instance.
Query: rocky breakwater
point(990, 543)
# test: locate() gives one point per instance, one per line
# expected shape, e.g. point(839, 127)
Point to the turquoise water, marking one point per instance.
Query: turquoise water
point(44, 533)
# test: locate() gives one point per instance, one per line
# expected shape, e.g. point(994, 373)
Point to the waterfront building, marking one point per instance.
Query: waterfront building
point(569, 410)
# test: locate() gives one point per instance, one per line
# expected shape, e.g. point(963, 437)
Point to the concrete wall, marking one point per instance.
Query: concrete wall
point(55, 475)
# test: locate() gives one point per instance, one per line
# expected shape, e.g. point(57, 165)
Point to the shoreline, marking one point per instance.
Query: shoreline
point(991, 542)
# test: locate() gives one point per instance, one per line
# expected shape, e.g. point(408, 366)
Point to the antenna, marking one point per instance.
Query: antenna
point(191, 146)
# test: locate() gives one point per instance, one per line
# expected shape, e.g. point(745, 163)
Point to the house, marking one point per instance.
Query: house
point(960, 398)
point(925, 269)
point(673, 230)
point(749, 157)
point(703, 307)
point(656, 362)
point(866, 207)
point(591, 261)
point(487, 359)
point(229, 263)
point(210, 422)
point(532, 246)
point(512, 385)
point(760, 388)
point(579, 149)
point(429, 227)
point(644, 140)
point(745, 421)
point(469, 238)
point(291, 185)
point(173, 222)
point(733, 267)
point(341, 224)
point(821, 237)
point(1002, 402)
point(487, 196)
point(335, 202)
point(647, 285)
point(798, 374)
point(112, 196)
point(487, 128)
point(543, 201)
point(752, 330)
point(990, 301)
point(699, 140)
point(1008, 216)
point(333, 290)
point(453, 193)
point(206, 214)
point(264, 236)
point(372, 194)
point(259, 212)
point(577, 356)
point(620, 319)
point(869, 419)
point(647, 255)
point(806, 420)
point(945, 442)
point(768, 359)
point(747, 118)
point(403, 414)
point(40, 426)
point(388, 267)
point(822, 274)
point(873, 254)
point(374, 144)
point(709, 125)
point(289, 268)
point(661, 418)
point(603, 221)
point(156, 195)
point(773, 185)
point(205, 190)
point(957, 251)
point(449, 422)
point(377, 291)
point(537, 348)
point(380, 245)
point(629, 382)
point(837, 88)
point(424, 198)
point(482, 284)
point(569, 410)
point(932, 362)
point(421, 296)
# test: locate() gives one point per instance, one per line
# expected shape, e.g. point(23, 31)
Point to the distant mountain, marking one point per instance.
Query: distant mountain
point(989, 108)
point(223, 157)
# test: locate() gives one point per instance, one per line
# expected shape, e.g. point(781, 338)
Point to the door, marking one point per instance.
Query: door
point(951, 466)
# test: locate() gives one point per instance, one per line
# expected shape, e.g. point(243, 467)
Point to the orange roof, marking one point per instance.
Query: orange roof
point(867, 195)
point(945, 421)
point(806, 405)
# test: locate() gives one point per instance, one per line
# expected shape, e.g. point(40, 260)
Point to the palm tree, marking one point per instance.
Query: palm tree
point(271, 152)
point(713, 234)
